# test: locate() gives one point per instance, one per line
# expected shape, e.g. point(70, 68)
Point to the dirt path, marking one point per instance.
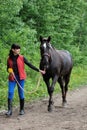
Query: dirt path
point(74, 117)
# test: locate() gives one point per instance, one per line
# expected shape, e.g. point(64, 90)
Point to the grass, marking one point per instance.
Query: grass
point(78, 77)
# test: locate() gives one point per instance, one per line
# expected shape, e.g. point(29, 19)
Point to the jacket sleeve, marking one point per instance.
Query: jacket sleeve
point(30, 65)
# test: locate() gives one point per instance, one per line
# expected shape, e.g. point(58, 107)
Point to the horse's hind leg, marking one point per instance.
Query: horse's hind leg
point(62, 85)
point(66, 79)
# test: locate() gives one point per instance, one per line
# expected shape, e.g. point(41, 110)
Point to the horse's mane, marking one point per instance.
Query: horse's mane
point(52, 47)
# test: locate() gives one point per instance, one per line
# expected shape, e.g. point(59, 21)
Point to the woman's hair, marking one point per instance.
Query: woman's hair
point(14, 46)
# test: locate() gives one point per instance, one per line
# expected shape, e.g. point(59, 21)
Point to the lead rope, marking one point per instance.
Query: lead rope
point(38, 84)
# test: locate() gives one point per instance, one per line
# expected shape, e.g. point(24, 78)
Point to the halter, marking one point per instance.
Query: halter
point(46, 54)
point(46, 64)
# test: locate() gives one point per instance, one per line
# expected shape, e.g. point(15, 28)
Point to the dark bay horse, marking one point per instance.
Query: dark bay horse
point(58, 66)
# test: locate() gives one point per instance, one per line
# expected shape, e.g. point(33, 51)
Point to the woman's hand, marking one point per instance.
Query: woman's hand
point(10, 71)
point(42, 71)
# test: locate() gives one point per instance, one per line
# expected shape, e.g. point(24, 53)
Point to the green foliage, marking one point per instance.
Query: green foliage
point(8, 9)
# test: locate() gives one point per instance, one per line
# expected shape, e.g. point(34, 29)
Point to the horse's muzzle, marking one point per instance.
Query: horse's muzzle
point(46, 67)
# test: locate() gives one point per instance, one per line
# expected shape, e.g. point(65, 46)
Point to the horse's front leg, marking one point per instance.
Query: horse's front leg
point(51, 90)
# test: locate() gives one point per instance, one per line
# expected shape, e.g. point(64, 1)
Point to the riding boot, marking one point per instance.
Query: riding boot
point(21, 107)
point(9, 113)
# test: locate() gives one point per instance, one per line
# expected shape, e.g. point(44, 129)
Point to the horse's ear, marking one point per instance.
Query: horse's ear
point(40, 38)
point(49, 38)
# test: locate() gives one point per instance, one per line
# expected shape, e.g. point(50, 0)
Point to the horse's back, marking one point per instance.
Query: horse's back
point(65, 56)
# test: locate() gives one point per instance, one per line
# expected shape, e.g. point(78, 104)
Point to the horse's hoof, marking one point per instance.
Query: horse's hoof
point(49, 109)
point(64, 104)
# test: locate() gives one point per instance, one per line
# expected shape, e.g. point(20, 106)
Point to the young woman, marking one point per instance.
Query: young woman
point(15, 67)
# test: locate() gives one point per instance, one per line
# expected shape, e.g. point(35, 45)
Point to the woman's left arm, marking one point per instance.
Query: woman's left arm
point(32, 66)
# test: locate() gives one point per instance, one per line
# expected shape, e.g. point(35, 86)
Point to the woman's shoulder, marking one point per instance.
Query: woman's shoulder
point(21, 56)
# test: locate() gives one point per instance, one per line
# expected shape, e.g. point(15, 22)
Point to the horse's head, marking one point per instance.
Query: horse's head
point(45, 47)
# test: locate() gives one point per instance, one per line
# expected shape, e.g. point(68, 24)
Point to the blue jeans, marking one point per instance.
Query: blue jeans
point(11, 88)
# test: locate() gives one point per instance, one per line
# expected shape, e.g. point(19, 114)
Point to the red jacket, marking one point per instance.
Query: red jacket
point(21, 69)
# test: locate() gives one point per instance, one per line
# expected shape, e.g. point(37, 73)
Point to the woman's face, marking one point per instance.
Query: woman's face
point(16, 51)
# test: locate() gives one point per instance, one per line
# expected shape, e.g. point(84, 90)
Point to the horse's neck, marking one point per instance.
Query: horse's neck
point(52, 52)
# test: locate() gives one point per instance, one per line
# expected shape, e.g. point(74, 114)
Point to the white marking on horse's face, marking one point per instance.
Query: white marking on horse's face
point(44, 45)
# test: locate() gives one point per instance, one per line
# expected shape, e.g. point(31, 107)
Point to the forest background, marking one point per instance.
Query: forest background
point(23, 21)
